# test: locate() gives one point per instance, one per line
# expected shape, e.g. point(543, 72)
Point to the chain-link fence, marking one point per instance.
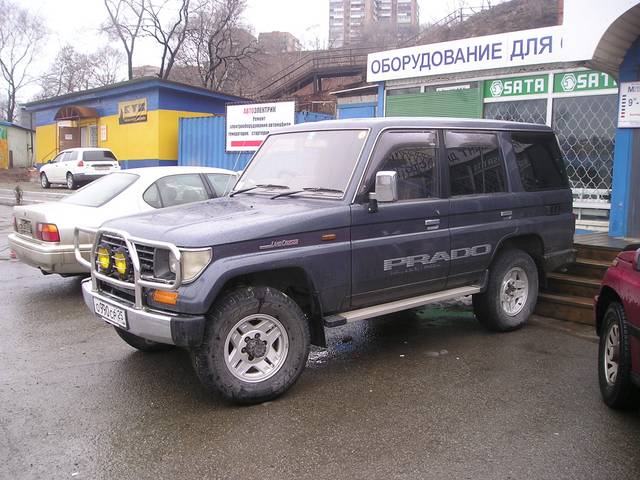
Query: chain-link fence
point(529, 111)
point(586, 130)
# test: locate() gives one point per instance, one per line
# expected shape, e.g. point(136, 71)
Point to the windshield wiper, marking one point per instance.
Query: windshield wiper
point(322, 189)
point(286, 194)
point(262, 185)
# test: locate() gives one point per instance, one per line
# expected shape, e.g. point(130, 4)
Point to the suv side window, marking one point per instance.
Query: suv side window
point(539, 160)
point(413, 155)
point(475, 163)
point(176, 190)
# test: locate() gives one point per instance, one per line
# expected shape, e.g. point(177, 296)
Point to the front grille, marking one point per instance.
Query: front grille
point(120, 293)
point(147, 256)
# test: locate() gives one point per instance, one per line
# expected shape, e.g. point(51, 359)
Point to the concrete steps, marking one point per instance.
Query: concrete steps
point(568, 295)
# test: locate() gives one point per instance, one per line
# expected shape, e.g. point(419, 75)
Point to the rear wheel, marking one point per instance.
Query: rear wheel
point(140, 343)
point(255, 346)
point(511, 294)
point(44, 181)
point(71, 181)
point(614, 361)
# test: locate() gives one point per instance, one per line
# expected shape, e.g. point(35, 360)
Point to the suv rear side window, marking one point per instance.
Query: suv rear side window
point(475, 164)
point(97, 155)
point(539, 160)
point(412, 154)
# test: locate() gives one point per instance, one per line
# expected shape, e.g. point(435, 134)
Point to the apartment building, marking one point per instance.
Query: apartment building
point(348, 19)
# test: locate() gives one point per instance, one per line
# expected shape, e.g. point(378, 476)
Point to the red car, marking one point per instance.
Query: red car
point(617, 309)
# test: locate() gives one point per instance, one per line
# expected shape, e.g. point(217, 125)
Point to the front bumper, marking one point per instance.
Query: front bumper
point(162, 327)
point(51, 258)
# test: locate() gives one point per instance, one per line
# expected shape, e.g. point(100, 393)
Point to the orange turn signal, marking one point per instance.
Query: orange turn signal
point(163, 296)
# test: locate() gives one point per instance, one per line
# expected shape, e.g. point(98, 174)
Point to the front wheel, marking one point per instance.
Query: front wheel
point(255, 346)
point(512, 292)
point(140, 343)
point(614, 361)
point(44, 181)
point(71, 181)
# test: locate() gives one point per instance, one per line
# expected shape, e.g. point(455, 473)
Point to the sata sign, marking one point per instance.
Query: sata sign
point(511, 87)
point(248, 125)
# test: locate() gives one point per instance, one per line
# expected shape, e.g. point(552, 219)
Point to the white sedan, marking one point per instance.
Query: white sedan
point(43, 233)
point(76, 166)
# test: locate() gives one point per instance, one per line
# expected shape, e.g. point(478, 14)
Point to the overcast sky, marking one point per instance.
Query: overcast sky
point(77, 22)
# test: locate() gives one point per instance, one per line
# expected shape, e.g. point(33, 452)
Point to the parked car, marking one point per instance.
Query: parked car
point(43, 235)
point(78, 166)
point(617, 311)
point(334, 222)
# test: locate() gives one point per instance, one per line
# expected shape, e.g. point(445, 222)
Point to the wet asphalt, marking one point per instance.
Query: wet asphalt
point(415, 395)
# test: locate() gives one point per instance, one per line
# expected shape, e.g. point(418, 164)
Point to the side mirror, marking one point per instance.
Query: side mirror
point(386, 187)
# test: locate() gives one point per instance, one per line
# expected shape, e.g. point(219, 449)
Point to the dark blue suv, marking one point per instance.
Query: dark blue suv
point(334, 222)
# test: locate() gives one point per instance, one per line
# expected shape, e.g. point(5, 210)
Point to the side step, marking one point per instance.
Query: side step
point(397, 306)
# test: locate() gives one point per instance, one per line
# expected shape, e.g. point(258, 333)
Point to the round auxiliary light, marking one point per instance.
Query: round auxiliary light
point(121, 262)
point(103, 258)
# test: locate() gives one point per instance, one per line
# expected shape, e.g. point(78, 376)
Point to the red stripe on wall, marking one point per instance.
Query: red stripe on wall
point(246, 143)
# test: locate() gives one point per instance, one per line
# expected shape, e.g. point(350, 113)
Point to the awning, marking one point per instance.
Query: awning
point(75, 113)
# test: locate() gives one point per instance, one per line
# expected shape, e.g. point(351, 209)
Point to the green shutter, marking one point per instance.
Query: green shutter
point(451, 103)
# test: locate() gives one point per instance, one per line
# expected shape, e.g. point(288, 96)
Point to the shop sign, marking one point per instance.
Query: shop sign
point(512, 87)
point(132, 111)
point(582, 81)
point(248, 125)
point(629, 110)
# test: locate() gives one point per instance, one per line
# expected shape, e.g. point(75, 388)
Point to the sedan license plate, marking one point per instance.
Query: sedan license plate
point(24, 227)
point(114, 315)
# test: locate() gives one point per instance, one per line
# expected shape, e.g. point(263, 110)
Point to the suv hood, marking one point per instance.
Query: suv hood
point(230, 220)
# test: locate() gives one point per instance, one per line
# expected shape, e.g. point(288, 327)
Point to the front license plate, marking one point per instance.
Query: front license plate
point(114, 315)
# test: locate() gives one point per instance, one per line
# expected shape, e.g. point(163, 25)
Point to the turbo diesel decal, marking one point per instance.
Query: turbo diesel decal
point(426, 259)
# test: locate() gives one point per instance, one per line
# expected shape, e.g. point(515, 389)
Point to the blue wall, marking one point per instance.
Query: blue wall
point(621, 188)
point(201, 141)
point(357, 110)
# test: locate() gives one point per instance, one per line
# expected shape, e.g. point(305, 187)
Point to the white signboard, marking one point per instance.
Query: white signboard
point(629, 110)
point(585, 22)
point(248, 125)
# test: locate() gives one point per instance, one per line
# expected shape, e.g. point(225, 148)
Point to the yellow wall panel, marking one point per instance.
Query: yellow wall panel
point(46, 143)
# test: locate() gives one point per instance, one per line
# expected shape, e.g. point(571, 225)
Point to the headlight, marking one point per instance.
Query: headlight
point(193, 263)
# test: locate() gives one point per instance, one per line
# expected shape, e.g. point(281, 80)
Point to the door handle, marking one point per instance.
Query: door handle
point(506, 214)
point(432, 224)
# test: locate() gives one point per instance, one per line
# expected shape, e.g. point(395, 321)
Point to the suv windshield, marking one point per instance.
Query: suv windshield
point(320, 162)
point(99, 192)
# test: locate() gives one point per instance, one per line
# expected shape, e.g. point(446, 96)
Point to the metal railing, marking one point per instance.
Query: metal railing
point(130, 242)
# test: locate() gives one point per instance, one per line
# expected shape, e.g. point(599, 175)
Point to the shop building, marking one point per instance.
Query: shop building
point(138, 119)
point(15, 146)
point(562, 76)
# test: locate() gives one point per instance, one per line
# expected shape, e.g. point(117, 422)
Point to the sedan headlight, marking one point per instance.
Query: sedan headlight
point(193, 263)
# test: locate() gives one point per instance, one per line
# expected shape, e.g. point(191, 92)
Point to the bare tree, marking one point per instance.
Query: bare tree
point(20, 35)
point(106, 64)
point(72, 71)
point(217, 44)
point(169, 33)
point(125, 23)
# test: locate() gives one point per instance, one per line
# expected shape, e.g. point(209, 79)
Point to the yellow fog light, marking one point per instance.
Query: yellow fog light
point(120, 263)
point(104, 258)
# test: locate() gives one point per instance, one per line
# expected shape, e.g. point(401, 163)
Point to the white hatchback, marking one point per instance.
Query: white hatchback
point(77, 166)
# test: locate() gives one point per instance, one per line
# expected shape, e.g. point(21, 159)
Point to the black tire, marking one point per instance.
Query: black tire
point(488, 306)
point(232, 310)
point(140, 343)
point(44, 181)
point(620, 393)
point(71, 181)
